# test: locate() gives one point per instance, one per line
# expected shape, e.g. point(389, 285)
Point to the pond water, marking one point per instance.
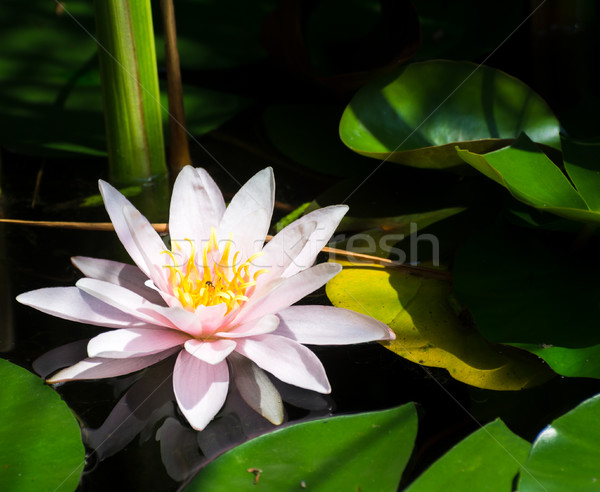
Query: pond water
point(364, 377)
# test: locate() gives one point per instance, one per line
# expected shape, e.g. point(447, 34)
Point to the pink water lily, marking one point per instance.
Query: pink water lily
point(220, 296)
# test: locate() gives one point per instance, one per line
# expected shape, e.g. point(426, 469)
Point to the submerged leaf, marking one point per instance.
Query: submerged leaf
point(522, 293)
point(428, 329)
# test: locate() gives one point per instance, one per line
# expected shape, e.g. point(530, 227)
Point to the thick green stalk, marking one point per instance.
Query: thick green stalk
point(130, 90)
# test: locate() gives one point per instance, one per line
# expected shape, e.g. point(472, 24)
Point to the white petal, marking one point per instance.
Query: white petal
point(114, 202)
point(289, 291)
point(281, 251)
point(327, 219)
point(248, 215)
point(115, 272)
point(135, 305)
point(200, 388)
point(286, 360)
point(150, 245)
point(210, 352)
point(326, 325)
point(261, 326)
point(196, 205)
point(121, 344)
point(75, 305)
point(98, 367)
point(256, 388)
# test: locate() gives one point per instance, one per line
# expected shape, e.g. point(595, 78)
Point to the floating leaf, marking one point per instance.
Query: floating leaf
point(379, 235)
point(41, 440)
point(489, 459)
point(566, 454)
point(532, 178)
point(582, 163)
point(581, 362)
point(520, 292)
point(428, 329)
point(417, 116)
point(341, 44)
point(351, 452)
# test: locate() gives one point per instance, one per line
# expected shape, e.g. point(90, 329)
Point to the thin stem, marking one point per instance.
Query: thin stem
point(164, 229)
point(179, 151)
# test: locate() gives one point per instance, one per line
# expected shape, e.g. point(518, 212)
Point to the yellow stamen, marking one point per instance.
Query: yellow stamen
point(212, 286)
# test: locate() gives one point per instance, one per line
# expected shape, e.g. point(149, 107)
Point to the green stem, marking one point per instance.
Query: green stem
point(130, 90)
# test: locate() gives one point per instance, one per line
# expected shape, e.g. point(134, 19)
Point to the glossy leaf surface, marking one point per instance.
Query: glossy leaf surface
point(428, 328)
point(41, 440)
point(531, 177)
point(566, 454)
point(418, 115)
point(488, 461)
point(351, 452)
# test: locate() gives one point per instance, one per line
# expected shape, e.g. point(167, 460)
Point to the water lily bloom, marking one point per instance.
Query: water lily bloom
point(220, 297)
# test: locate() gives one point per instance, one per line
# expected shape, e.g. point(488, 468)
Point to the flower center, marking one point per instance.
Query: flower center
point(207, 285)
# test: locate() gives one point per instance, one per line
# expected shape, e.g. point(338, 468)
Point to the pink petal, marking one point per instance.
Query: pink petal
point(211, 352)
point(114, 203)
point(196, 205)
point(261, 326)
point(287, 360)
point(211, 318)
point(248, 215)
point(98, 368)
point(128, 276)
point(200, 388)
point(326, 325)
point(75, 305)
point(327, 219)
point(121, 344)
point(289, 291)
point(256, 388)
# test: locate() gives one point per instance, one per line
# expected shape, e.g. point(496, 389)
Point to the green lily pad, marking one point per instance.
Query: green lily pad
point(429, 330)
point(351, 452)
point(380, 235)
point(520, 292)
point(41, 439)
point(525, 171)
point(582, 163)
point(566, 454)
point(581, 362)
point(418, 115)
point(487, 460)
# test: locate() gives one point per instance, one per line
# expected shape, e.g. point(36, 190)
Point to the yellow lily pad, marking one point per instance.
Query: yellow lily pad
point(430, 330)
